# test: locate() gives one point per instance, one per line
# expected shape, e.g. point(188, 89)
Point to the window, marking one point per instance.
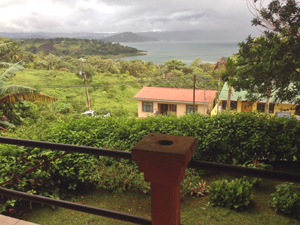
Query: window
point(261, 107)
point(189, 109)
point(233, 105)
point(147, 106)
point(173, 107)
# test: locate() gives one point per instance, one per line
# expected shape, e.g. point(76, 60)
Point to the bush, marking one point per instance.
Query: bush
point(232, 195)
point(119, 176)
point(219, 139)
point(286, 199)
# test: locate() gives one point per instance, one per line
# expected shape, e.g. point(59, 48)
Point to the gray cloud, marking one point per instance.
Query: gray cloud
point(124, 15)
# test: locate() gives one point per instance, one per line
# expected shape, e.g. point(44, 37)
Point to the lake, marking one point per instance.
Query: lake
point(187, 51)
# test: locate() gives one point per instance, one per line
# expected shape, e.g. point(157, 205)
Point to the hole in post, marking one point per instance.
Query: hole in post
point(165, 142)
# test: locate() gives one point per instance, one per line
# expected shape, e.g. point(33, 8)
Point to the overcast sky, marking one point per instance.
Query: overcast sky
point(124, 15)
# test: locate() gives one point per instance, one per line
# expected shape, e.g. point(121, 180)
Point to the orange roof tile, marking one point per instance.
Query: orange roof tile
point(174, 94)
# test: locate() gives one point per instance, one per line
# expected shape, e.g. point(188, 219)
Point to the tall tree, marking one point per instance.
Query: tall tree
point(257, 8)
point(269, 66)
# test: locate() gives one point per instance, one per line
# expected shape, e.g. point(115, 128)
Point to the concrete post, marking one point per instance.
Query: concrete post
point(163, 159)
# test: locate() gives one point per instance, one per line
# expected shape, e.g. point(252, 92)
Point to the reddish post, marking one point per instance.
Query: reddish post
point(163, 159)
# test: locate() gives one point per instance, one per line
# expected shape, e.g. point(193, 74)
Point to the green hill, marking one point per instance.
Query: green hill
point(76, 47)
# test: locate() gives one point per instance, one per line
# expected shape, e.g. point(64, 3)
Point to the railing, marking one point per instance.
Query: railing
point(139, 153)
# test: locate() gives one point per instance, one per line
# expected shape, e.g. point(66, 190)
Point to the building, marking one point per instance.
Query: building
point(173, 100)
point(239, 103)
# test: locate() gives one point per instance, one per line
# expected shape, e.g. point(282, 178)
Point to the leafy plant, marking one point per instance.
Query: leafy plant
point(119, 177)
point(201, 189)
point(192, 185)
point(256, 165)
point(233, 195)
point(286, 199)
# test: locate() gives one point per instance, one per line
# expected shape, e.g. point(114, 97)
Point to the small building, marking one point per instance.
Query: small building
point(239, 103)
point(173, 100)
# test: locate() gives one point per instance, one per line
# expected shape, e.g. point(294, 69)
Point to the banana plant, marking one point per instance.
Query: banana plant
point(16, 93)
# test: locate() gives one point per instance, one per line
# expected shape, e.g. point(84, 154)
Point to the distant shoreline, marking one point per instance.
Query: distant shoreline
point(186, 51)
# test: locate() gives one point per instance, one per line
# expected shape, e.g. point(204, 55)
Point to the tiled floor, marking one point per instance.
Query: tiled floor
point(6, 220)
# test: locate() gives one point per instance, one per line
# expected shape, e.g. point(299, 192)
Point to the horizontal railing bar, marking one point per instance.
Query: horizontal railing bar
point(244, 171)
point(66, 147)
point(225, 168)
point(77, 207)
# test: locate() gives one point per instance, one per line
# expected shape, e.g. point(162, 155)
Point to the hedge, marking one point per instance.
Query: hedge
point(242, 136)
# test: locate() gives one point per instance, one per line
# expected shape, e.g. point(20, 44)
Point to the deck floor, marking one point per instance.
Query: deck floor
point(6, 220)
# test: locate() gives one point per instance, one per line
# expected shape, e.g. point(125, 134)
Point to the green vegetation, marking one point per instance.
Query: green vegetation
point(269, 65)
point(232, 195)
point(75, 47)
point(112, 93)
point(194, 210)
point(9, 94)
point(76, 171)
point(286, 199)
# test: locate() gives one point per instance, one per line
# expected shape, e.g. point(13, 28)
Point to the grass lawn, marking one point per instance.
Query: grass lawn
point(194, 210)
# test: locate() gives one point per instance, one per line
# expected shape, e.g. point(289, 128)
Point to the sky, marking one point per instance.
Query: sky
point(115, 16)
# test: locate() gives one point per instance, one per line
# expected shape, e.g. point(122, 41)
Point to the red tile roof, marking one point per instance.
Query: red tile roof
point(174, 94)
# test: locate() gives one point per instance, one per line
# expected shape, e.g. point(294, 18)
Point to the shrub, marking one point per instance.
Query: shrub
point(232, 195)
point(256, 165)
point(191, 183)
point(118, 176)
point(286, 199)
point(219, 139)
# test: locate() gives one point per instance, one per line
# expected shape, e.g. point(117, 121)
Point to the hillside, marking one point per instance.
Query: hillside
point(76, 47)
point(128, 37)
point(107, 92)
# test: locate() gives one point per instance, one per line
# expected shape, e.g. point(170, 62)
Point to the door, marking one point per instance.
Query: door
point(163, 108)
point(245, 107)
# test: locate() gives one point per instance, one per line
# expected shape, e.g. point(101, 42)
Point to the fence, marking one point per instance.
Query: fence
point(163, 159)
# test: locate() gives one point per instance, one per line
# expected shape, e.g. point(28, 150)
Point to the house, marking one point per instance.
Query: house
point(239, 103)
point(173, 100)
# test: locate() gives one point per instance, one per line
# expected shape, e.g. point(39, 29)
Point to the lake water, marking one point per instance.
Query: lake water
point(187, 51)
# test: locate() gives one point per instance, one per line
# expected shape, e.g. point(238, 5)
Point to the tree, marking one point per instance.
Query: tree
point(52, 60)
point(197, 62)
point(9, 51)
point(14, 93)
point(174, 64)
point(256, 7)
point(269, 66)
point(137, 68)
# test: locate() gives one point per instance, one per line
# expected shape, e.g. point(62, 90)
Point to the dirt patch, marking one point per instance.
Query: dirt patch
point(49, 46)
point(75, 49)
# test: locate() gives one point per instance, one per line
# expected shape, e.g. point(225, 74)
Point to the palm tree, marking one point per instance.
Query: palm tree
point(14, 93)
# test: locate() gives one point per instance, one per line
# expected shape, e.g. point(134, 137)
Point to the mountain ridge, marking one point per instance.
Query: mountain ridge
point(128, 37)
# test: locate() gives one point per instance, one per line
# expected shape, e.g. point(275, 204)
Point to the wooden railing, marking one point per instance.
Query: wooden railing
point(163, 159)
